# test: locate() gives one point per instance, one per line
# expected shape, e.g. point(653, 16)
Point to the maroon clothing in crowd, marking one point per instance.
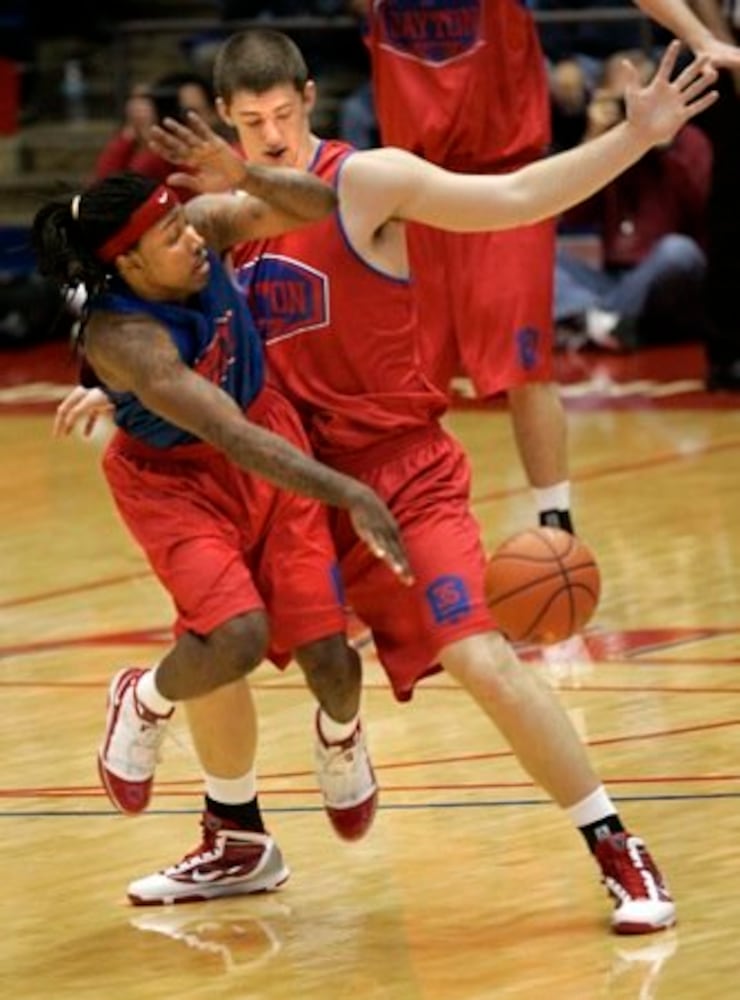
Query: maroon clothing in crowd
point(124, 152)
point(667, 191)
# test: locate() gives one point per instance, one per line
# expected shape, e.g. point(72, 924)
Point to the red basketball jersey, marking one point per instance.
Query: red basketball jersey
point(341, 336)
point(462, 83)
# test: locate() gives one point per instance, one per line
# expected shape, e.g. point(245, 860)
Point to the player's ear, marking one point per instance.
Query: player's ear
point(222, 111)
point(309, 96)
point(129, 263)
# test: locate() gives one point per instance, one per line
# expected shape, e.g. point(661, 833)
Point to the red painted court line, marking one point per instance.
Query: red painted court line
point(53, 685)
point(595, 400)
point(82, 588)
point(171, 787)
point(591, 401)
point(606, 471)
point(644, 689)
point(144, 637)
point(650, 640)
point(464, 786)
point(710, 661)
point(181, 790)
point(447, 688)
point(30, 409)
point(600, 644)
point(597, 742)
point(565, 688)
point(163, 786)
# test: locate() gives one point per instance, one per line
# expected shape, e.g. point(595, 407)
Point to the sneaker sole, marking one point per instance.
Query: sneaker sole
point(215, 892)
point(355, 821)
point(637, 928)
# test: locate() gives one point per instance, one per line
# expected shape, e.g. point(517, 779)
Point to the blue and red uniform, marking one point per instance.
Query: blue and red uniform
point(342, 344)
point(222, 542)
point(463, 84)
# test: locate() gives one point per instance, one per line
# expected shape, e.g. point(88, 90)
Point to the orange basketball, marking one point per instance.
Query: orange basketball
point(542, 585)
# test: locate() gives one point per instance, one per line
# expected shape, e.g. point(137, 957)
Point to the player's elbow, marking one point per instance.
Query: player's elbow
point(518, 206)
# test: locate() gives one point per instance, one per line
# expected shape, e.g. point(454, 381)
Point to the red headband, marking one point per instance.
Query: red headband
point(159, 203)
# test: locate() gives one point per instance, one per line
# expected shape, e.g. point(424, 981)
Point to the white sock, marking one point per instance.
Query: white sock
point(594, 807)
point(149, 696)
point(555, 497)
point(336, 732)
point(232, 791)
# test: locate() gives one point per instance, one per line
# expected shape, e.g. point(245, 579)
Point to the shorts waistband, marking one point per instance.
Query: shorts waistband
point(193, 451)
point(133, 447)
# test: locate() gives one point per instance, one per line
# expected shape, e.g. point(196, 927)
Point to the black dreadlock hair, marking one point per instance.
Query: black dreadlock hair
point(66, 232)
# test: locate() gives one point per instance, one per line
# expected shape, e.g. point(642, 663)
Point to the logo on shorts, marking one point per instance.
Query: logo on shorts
point(448, 598)
point(437, 31)
point(528, 343)
point(285, 296)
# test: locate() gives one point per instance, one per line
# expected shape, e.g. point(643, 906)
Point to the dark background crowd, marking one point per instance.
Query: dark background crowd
point(652, 259)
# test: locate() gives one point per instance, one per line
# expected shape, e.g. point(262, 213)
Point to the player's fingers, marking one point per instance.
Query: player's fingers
point(160, 138)
point(631, 79)
point(184, 181)
point(696, 107)
point(64, 418)
point(394, 555)
point(197, 124)
point(58, 429)
point(695, 70)
point(400, 565)
point(184, 133)
point(700, 83)
point(668, 62)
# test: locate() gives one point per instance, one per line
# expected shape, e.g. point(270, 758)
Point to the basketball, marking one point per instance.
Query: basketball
point(542, 585)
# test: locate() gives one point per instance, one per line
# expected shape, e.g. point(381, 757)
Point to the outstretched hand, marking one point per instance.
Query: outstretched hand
point(210, 163)
point(377, 527)
point(83, 406)
point(661, 108)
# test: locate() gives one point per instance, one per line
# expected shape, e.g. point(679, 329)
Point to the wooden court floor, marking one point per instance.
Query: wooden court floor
point(469, 886)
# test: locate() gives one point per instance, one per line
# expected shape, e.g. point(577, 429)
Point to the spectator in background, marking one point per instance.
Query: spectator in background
point(358, 123)
point(169, 96)
point(239, 9)
point(652, 226)
point(569, 100)
point(128, 149)
point(592, 39)
point(18, 52)
point(179, 92)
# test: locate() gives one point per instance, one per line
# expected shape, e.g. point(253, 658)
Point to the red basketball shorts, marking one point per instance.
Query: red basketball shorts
point(224, 542)
point(424, 478)
point(485, 305)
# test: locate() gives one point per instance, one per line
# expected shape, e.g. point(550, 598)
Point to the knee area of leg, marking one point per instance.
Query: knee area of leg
point(680, 251)
point(240, 644)
point(331, 655)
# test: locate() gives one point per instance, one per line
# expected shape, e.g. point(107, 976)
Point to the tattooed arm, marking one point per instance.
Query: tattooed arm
point(273, 199)
point(135, 354)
